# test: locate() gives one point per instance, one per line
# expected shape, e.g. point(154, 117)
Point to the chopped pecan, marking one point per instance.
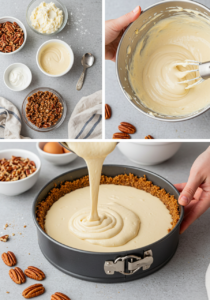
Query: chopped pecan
point(121, 135)
point(17, 275)
point(127, 128)
point(33, 291)
point(108, 112)
point(16, 168)
point(4, 238)
point(34, 273)
point(59, 296)
point(43, 109)
point(9, 258)
point(11, 37)
point(149, 137)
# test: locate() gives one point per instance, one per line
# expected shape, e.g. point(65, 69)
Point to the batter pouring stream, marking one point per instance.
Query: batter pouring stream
point(108, 225)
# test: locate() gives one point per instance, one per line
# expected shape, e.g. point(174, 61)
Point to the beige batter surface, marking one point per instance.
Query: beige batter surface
point(154, 73)
point(121, 202)
point(54, 58)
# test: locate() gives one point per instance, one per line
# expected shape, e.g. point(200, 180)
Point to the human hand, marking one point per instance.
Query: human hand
point(195, 194)
point(114, 30)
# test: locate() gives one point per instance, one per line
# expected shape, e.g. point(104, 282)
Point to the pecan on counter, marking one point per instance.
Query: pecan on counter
point(43, 109)
point(16, 168)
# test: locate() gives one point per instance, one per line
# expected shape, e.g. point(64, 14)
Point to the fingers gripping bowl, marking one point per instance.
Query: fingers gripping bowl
point(92, 266)
point(140, 87)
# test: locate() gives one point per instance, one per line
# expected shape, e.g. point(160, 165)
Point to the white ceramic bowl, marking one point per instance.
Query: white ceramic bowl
point(68, 48)
point(11, 19)
point(13, 188)
point(56, 159)
point(149, 153)
point(6, 77)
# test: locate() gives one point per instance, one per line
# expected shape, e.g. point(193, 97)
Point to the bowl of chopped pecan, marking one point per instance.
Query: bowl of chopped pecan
point(13, 35)
point(44, 109)
point(19, 171)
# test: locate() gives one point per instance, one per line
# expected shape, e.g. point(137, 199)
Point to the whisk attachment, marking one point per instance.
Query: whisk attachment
point(203, 69)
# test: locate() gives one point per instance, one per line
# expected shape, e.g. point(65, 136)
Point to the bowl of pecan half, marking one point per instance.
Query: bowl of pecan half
point(19, 171)
point(44, 109)
point(13, 35)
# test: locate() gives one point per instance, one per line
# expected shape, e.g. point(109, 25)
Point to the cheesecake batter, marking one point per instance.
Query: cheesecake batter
point(125, 218)
point(155, 71)
point(124, 204)
point(54, 58)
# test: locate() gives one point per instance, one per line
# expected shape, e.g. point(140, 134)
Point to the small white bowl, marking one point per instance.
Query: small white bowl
point(68, 48)
point(11, 19)
point(56, 159)
point(6, 77)
point(149, 153)
point(13, 188)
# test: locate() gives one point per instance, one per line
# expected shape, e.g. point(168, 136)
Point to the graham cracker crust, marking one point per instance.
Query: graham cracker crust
point(140, 183)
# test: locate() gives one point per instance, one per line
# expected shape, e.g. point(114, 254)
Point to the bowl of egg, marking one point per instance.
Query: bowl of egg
point(55, 153)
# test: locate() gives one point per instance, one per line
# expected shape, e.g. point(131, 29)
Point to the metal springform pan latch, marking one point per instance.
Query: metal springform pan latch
point(134, 263)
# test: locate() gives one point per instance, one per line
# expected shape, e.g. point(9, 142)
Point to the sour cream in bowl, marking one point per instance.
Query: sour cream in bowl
point(17, 77)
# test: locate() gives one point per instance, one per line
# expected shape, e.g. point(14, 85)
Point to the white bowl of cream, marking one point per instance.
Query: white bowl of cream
point(17, 77)
point(55, 58)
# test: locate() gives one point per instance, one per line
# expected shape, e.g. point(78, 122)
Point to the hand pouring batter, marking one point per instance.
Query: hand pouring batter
point(126, 218)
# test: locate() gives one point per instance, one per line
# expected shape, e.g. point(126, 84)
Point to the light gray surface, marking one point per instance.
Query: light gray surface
point(182, 278)
point(82, 33)
point(123, 111)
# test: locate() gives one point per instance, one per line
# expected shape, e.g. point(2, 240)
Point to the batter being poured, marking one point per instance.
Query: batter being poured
point(157, 64)
point(118, 216)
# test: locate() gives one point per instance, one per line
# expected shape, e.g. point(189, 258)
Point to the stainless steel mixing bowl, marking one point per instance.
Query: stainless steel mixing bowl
point(136, 31)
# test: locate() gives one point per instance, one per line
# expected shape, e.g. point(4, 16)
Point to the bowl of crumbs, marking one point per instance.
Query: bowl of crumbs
point(19, 171)
point(44, 109)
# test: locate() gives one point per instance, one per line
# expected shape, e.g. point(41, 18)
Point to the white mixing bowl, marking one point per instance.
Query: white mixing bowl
point(13, 188)
point(149, 153)
point(56, 159)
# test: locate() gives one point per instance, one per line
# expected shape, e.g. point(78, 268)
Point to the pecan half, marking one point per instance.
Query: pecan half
point(149, 137)
point(121, 135)
point(11, 37)
point(127, 128)
point(33, 291)
point(34, 273)
point(108, 112)
point(4, 238)
point(17, 275)
point(9, 258)
point(59, 296)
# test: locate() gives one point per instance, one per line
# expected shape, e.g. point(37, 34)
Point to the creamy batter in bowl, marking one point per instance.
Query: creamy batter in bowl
point(90, 265)
point(147, 57)
point(55, 58)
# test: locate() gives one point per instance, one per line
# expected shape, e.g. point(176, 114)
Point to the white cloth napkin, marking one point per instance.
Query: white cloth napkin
point(86, 119)
point(10, 120)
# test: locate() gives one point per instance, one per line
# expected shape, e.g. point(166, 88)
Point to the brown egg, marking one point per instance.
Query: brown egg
point(66, 151)
point(53, 148)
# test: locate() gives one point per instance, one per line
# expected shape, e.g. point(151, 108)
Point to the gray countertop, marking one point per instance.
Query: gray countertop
point(82, 33)
point(182, 278)
point(123, 111)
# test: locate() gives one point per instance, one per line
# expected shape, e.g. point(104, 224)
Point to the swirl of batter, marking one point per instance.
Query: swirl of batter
point(54, 58)
point(116, 226)
point(155, 71)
